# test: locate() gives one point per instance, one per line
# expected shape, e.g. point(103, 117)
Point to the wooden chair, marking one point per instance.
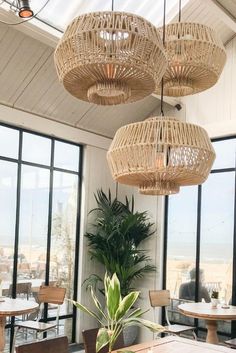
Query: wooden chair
point(58, 344)
point(49, 295)
point(161, 298)
point(22, 289)
point(90, 336)
point(231, 343)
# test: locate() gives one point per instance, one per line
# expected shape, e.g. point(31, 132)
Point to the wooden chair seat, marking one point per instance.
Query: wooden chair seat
point(231, 343)
point(36, 325)
point(175, 329)
point(161, 299)
point(49, 295)
point(58, 345)
point(90, 336)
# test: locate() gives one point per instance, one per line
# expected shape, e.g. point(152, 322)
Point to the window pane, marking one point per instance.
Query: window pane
point(9, 142)
point(182, 224)
point(33, 226)
point(217, 233)
point(8, 177)
point(225, 154)
point(65, 329)
point(181, 251)
point(64, 216)
point(66, 156)
point(36, 149)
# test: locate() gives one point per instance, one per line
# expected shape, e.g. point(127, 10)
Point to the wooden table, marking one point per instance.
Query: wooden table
point(175, 344)
point(13, 307)
point(210, 315)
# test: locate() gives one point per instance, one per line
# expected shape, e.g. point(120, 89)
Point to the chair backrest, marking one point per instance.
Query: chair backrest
point(51, 295)
point(90, 336)
point(22, 288)
point(159, 298)
point(4, 267)
point(58, 345)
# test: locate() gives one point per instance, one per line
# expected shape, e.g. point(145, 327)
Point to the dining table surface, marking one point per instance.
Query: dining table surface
point(176, 344)
point(13, 307)
point(210, 314)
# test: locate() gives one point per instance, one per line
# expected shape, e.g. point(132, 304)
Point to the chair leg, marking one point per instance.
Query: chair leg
point(14, 339)
point(194, 335)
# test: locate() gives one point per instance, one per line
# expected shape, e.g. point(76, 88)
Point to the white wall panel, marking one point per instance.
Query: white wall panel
point(96, 175)
point(215, 109)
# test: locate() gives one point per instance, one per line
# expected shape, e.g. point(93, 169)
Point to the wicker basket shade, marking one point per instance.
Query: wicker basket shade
point(110, 58)
point(159, 155)
point(196, 58)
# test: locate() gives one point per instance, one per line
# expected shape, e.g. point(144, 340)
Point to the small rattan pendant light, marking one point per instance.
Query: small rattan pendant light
point(160, 154)
point(110, 58)
point(196, 58)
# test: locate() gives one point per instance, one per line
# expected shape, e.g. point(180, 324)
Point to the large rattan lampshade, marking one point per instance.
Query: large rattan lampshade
point(110, 58)
point(160, 154)
point(196, 58)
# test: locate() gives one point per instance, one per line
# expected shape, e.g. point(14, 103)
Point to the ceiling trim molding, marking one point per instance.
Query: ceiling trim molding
point(222, 13)
point(33, 122)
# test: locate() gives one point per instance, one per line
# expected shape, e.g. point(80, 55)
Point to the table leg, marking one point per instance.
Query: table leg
point(212, 332)
point(2, 333)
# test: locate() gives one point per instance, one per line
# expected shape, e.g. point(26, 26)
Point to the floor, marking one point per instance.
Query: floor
point(76, 348)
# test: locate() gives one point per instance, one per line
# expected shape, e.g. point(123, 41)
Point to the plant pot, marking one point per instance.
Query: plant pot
point(130, 334)
point(214, 302)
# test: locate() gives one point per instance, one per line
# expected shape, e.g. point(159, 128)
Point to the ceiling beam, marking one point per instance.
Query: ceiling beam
point(224, 15)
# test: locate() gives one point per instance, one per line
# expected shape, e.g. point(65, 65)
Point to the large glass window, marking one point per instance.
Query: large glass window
point(182, 239)
point(39, 192)
point(200, 236)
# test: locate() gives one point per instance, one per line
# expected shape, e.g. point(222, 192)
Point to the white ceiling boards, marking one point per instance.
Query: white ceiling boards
point(28, 80)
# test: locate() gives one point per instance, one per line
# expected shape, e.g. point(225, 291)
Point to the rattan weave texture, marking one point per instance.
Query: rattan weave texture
point(160, 154)
point(196, 58)
point(110, 58)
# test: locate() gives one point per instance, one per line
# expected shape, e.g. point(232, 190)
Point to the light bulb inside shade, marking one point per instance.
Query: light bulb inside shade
point(160, 160)
point(24, 9)
point(114, 35)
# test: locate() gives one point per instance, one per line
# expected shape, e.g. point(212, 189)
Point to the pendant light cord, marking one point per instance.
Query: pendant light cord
point(163, 40)
point(180, 6)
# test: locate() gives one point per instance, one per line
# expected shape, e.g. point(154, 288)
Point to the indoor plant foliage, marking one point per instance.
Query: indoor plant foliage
point(117, 314)
point(117, 232)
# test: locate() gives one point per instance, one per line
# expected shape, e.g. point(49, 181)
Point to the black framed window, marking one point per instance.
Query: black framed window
point(40, 186)
point(200, 237)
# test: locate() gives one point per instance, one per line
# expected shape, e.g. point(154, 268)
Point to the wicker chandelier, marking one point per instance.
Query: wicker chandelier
point(160, 154)
point(196, 58)
point(110, 58)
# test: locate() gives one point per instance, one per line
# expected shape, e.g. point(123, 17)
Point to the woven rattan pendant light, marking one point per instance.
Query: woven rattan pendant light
point(196, 58)
point(160, 154)
point(110, 58)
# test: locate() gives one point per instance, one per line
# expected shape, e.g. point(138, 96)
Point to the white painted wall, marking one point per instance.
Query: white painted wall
point(155, 207)
point(215, 109)
point(96, 175)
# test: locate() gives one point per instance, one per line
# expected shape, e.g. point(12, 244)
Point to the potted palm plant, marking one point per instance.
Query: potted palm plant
point(117, 314)
point(115, 239)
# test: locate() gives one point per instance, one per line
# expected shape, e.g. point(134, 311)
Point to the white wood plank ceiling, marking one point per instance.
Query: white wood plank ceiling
point(28, 79)
point(229, 6)
point(199, 11)
point(28, 82)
